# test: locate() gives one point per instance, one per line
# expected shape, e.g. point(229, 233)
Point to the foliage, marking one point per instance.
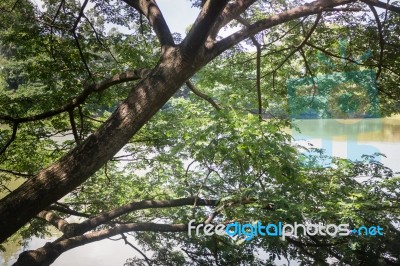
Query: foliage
point(245, 160)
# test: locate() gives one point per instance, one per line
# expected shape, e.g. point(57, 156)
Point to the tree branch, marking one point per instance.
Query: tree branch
point(300, 46)
point(73, 126)
point(294, 13)
point(380, 4)
point(315, 88)
point(52, 28)
point(231, 12)
point(258, 67)
point(53, 219)
point(51, 251)
point(12, 138)
point(151, 11)
point(11, 9)
point(134, 206)
point(78, 45)
point(15, 173)
point(258, 77)
point(135, 248)
point(202, 95)
point(105, 84)
point(106, 48)
point(67, 210)
point(201, 28)
point(381, 40)
point(80, 15)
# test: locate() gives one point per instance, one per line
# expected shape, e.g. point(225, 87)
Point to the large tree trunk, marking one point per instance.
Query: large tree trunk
point(51, 184)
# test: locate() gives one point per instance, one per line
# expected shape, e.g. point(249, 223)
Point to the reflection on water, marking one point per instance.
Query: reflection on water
point(373, 129)
point(351, 138)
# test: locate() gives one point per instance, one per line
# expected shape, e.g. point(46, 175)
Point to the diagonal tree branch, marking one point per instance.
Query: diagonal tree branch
point(105, 84)
point(62, 2)
point(201, 28)
point(202, 95)
point(80, 15)
point(231, 12)
point(53, 219)
point(92, 223)
point(51, 251)
point(75, 35)
point(15, 173)
point(135, 248)
point(11, 9)
point(151, 11)
point(294, 13)
point(12, 138)
point(67, 210)
point(380, 4)
point(105, 47)
point(300, 46)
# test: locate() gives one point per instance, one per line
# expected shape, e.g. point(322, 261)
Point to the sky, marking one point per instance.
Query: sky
point(178, 15)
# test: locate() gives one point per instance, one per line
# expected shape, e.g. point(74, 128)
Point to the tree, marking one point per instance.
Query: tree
point(56, 65)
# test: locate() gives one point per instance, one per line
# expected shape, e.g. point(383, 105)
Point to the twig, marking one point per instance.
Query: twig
point(258, 67)
point(311, 74)
point(15, 173)
point(78, 45)
point(65, 209)
point(12, 138)
point(381, 40)
point(81, 14)
point(81, 115)
point(301, 45)
point(52, 28)
point(73, 126)
point(99, 39)
point(202, 95)
point(135, 248)
point(105, 84)
point(6, 188)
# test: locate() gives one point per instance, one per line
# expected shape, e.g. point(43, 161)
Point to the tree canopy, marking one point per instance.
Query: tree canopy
point(113, 125)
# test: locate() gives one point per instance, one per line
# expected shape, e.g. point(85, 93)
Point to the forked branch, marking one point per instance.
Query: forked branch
point(201, 28)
